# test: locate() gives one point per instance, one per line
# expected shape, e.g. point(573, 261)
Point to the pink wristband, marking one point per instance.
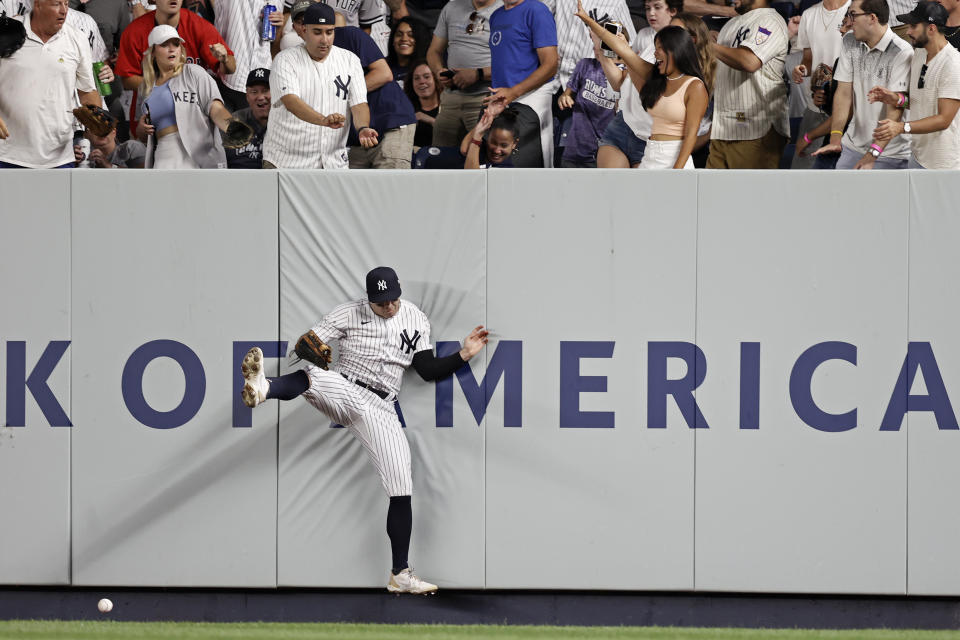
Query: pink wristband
point(806, 139)
point(900, 99)
point(876, 147)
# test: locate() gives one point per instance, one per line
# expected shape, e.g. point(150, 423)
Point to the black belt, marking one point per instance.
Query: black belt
point(383, 394)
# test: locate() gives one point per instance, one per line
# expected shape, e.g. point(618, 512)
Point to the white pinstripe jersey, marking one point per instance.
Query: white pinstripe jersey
point(331, 86)
point(370, 14)
point(88, 27)
point(375, 350)
point(747, 104)
point(13, 8)
point(76, 19)
point(238, 21)
point(573, 37)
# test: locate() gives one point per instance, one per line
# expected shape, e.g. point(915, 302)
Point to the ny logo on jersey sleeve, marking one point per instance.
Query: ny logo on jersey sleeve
point(343, 86)
point(408, 344)
point(742, 34)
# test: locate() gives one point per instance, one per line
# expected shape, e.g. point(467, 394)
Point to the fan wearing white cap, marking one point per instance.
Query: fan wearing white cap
point(182, 108)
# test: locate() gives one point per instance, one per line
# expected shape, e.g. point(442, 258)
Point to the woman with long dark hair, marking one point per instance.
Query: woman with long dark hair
point(408, 42)
point(675, 96)
point(423, 90)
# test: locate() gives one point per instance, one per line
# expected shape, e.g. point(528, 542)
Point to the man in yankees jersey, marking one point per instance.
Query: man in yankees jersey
point(313, 86)
point(379, 338)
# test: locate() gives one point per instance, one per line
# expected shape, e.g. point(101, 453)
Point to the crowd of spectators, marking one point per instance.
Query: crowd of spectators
point(742, 84)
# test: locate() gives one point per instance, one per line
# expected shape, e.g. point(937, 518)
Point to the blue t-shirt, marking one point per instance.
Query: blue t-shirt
point(515, 36)
point(594, 101)
point(389, 105)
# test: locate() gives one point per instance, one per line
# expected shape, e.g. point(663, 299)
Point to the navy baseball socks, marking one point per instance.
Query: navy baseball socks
point(289, 386)
point(399, 525)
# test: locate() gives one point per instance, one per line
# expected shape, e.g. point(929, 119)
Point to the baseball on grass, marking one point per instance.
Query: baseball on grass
point(105, 605)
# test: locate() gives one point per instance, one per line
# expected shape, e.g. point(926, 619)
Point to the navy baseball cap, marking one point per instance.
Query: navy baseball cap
point(258, 76)
point(382, 282)
point(926, 11)
point(319, 13)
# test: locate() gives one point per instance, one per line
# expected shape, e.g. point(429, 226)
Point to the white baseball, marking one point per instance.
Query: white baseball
point(105, 605)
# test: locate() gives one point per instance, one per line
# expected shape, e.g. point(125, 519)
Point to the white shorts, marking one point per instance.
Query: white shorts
point(371, 419)
point(662, 154)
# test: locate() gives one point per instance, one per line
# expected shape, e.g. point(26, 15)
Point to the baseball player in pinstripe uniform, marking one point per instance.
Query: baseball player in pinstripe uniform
point(312, 86)
point(379, 338)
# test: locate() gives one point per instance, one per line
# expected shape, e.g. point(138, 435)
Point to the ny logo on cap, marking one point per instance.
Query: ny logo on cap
point(382, 285)
point(258, 73)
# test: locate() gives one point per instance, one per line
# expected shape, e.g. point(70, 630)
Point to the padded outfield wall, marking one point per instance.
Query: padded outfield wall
point(697, 380)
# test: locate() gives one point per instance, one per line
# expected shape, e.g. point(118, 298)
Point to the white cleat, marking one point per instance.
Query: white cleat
point(407, 582)
point(256, 385)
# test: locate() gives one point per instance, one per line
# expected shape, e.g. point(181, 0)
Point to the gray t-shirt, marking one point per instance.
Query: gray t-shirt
point(128, 155)
point(467, 50)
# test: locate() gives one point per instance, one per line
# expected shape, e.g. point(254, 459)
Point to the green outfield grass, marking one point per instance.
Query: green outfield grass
point(95, 630)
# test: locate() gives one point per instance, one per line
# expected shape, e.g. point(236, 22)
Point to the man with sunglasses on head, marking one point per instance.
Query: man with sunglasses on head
point(872, 55)
point(934, 93)
point(462, 32)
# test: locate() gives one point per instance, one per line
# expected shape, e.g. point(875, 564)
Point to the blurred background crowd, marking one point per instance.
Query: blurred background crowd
point(397, 84)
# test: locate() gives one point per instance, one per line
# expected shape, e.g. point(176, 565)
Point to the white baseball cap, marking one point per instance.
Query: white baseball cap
point(161, 33)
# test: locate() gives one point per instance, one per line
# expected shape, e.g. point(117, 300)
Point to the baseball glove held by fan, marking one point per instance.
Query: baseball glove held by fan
point(314, 350)
point(238, 134)
point(95, 120)
point(12, 36)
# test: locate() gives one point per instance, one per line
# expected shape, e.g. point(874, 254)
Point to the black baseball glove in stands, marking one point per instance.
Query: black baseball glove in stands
point(12, 36)
point(314, 350)
point(238, 134)
point(95, 120)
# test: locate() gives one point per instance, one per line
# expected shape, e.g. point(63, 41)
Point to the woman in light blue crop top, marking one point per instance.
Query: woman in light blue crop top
point(182, 108)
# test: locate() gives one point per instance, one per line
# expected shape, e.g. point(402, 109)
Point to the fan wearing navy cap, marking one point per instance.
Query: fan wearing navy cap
point(379, 337)
point(256, 115)
point(933, 96)
point(319, 90)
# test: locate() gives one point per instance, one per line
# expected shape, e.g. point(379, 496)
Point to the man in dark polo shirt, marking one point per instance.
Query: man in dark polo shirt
point(250, 156)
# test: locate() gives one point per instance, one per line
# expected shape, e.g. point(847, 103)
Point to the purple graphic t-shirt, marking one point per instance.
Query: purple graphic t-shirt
point(594, 100)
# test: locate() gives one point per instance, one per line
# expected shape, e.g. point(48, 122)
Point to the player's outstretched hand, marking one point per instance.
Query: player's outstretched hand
point(4, 132)
point(474, 342)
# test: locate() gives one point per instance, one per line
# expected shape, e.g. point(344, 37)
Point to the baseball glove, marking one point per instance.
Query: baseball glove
point(96, 120)
point(238, 134)
point(820, 76)
point(12, 36)
point(314, 350)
